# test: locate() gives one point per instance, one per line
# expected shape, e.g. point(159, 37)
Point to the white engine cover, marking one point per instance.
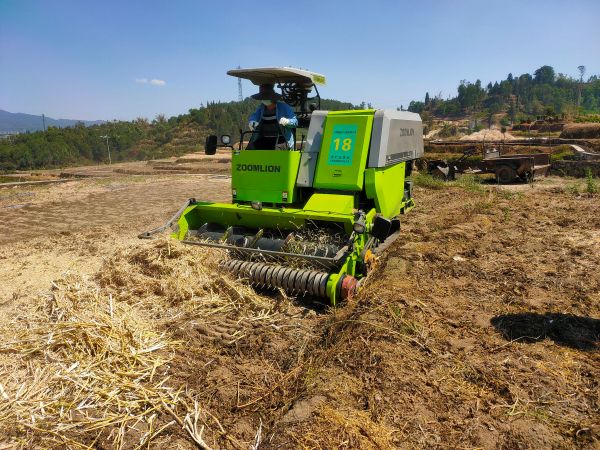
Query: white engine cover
point(397, 136)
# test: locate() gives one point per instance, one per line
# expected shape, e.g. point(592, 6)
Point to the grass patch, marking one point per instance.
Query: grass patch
point(471, 183)
point(572, 188)
point(588, 119)
point(4, 179)
point(508, 195)
point(483, 207)
point(588, 186)
point(561, 156)
point(427, 181)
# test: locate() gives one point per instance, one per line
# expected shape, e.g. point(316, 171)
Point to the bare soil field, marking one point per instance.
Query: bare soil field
point(76, 205)
point(479, 328)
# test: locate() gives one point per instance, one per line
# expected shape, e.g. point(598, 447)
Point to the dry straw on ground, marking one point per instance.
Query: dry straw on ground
point(488, 135)
point(466, 335)
point(89, 366)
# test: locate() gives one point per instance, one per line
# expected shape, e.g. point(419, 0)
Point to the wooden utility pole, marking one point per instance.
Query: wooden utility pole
point(107, 148)
point(240, 94)
point(581, 74)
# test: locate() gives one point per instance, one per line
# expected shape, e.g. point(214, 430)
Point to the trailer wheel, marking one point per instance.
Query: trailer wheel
point(440, 170)
point(505, 174)
point(527, 177)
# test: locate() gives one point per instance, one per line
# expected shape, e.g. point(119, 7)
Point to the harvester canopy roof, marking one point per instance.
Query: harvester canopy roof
point(272, 75)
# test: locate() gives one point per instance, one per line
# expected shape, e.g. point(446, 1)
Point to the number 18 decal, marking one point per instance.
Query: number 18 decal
point(346, 144)
point(341, 149)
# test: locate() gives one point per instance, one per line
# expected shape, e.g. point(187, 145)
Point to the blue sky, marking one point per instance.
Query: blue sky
point(89, 59)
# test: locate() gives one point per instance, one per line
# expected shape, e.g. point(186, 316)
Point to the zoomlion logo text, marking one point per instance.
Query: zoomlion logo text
point(257, 168)
point(407, 132)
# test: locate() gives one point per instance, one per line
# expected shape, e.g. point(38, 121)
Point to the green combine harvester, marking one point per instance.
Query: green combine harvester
point(310, 220)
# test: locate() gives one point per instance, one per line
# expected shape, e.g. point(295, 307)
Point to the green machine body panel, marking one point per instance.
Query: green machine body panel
point(335, 203)
point(344, 150)
point(264, 175)
point(240, 215)
point(386, 187)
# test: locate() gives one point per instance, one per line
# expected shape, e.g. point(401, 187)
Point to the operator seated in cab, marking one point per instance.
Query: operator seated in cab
point(273, 121)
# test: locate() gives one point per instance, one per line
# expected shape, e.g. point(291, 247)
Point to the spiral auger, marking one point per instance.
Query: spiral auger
point(294, 281)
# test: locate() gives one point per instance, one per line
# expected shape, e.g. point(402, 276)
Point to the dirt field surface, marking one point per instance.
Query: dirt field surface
point(479, 328)
point(80, 204)
point(189, 163)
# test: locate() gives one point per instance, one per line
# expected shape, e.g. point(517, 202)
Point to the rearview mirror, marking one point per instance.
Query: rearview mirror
point(210, 145)
point(225, 139)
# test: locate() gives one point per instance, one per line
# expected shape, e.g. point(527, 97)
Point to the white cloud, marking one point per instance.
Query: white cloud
point(153, 81)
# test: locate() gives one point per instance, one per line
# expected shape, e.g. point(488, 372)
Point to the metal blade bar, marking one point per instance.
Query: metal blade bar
point(171, 221)
point(254, 240)
point(326, 262)
point(385, 244)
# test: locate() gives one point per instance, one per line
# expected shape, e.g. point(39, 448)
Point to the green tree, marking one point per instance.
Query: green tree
point(522, 96)
point(416, 107)
point(544, 75)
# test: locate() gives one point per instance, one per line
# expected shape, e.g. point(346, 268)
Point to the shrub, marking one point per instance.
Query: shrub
point(591, 186)
point(581, 131)
point(588, 119)
point(572, 188)
point(448, 130)
point(564, 152)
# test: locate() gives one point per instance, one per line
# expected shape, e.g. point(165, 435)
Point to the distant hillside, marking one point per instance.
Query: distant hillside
point(21, 123)
point(516, 98)
point(135, 140)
